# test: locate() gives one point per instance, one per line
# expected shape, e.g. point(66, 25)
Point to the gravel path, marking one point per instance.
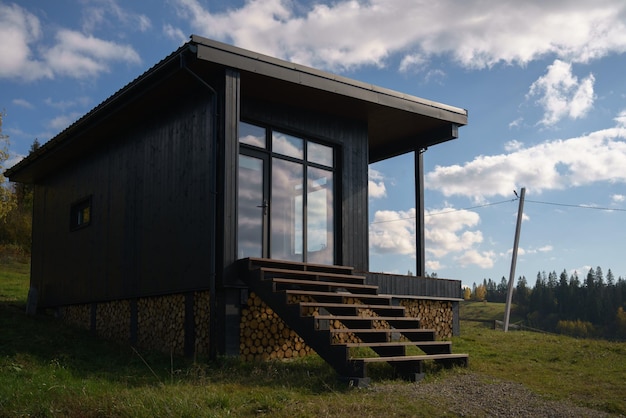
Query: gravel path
point(473, 395)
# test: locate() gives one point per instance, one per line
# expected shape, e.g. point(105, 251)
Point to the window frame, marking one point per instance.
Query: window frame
point(306, 162)
point(77, 213)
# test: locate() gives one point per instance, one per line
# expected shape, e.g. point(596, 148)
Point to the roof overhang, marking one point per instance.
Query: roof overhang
point(397, 123)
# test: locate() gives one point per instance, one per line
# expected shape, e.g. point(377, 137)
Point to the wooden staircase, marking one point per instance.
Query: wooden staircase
point(334, 312)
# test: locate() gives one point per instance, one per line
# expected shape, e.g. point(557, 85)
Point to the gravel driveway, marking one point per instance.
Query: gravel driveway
point(473, 395)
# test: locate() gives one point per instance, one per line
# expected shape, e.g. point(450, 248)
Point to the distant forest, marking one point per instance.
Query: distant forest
point(589, 307)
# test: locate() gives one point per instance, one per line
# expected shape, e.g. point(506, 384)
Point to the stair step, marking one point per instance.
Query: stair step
point(401, 343)
point(335, 308)
point(421, 357)
point(387, 335)
point(269, 273)
point(323, 321)
point(314, 284)
point(253, 263)
point(291, 287)
point(382, 300)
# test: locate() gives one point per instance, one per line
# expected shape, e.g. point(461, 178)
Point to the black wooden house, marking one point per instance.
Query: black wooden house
point(221, 176)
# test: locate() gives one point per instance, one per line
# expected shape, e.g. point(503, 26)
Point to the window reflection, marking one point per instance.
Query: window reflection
point(320, 154)
point(319, 215)
point(288, 145)
point(250, 210)
point(251, 135)
point(301, 200)
point(286, 210)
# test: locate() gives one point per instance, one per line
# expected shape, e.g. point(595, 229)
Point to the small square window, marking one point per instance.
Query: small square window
point(80, 214)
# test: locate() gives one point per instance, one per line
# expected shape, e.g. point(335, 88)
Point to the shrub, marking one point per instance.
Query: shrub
point(578, 328)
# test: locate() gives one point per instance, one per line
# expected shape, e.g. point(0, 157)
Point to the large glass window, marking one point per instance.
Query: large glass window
point(300, 201)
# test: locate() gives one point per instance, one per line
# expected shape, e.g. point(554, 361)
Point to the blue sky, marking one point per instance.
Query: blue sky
point(544, 84)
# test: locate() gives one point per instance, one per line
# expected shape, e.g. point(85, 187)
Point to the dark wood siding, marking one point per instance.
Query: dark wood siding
point(149, 230)
point(393, 284)
point(350, 139)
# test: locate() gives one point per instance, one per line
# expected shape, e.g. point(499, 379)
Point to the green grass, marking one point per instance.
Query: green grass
point(48, 370)
point(14, 276)
point(485, 312)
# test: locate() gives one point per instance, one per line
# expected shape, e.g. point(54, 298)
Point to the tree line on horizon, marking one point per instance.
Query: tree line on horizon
point(593, 306)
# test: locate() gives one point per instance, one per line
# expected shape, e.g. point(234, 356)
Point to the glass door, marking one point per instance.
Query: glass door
point(252, 207)
point(286, 205)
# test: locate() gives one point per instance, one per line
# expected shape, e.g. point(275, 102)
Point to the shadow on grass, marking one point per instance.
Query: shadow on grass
point(34, 343)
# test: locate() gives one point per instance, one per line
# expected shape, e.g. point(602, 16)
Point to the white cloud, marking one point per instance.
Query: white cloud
point(513, 145)
point(516, 123)
point(415, 61)
point(68, 104)
point(448, 232)
point(23, 103)
point(175, 33)
point(618, 198)
point(393, 232)
point(553, 165)
point(561, 94)
point(18, 30)
point(621, 119)
point(524, 251)
point(71, 53)
point(376, 184)
point(79, 56)
point(100, 13)
point(483, 259)
point(350, 33)
point(433, 265)
point(63, 121)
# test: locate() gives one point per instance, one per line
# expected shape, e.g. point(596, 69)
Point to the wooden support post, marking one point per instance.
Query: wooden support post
point(420, 254)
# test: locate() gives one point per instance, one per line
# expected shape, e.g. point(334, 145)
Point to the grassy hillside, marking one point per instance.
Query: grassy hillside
point(47, 369)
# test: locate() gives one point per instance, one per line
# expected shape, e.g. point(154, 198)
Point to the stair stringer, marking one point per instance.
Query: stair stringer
point(337, 356)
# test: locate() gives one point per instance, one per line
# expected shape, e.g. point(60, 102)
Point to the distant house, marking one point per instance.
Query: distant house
point(208, 206)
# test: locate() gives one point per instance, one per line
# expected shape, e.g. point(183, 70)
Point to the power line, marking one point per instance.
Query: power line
point(576, 206)
point(500, 203)
point(471, 207)
point(446, 212)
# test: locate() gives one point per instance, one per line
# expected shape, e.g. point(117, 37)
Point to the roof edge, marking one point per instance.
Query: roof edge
point(330, 77)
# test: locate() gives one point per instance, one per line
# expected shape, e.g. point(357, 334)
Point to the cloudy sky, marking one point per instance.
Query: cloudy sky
point(544, 84)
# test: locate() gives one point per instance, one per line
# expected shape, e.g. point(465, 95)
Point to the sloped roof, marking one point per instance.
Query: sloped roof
point(397, 123)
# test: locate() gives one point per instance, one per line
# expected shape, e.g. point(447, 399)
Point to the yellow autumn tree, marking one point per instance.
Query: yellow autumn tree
point(7, 197)
point(481, 292)
point(620, 321)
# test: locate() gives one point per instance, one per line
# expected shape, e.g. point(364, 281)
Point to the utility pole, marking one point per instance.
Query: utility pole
point(520, 213)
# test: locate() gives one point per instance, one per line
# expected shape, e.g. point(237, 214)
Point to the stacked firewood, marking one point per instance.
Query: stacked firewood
point(160, 323)
point(77, 315)
point(113, 320)
point(202, 314)
point(264, 336)
point(432, 314)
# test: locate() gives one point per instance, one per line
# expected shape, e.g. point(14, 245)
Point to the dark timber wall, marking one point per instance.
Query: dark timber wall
point(393, 284)
point(149, 233)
